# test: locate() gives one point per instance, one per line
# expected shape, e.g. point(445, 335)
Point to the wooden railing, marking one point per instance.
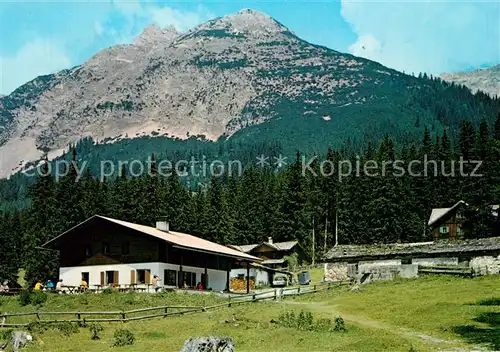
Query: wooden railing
point(82, 317)
point(446, 270)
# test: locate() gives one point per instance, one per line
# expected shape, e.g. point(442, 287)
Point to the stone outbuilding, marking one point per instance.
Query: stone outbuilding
point(384, 261)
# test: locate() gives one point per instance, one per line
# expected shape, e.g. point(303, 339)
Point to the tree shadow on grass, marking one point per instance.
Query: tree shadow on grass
point(489, 302)
point(483, 335)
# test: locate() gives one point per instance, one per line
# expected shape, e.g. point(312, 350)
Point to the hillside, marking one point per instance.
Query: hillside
point(486, 79)
point(243, 77)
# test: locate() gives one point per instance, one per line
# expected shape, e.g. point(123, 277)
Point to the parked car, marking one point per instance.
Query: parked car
point(280, 280)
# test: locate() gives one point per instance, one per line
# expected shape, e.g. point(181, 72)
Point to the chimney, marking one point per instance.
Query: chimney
point(163, 226)
point(270, 240)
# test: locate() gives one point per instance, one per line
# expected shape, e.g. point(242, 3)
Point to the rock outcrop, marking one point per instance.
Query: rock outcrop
point(209, 344)
point(485, 79)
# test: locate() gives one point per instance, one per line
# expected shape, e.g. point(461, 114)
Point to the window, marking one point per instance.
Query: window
point(88, 251)
point(143, 276)
point(105, 248)
point(170, 277)
point(85, 277)
point(125, 248)
point(189, 279)
point(444, 229)
point(110, 276)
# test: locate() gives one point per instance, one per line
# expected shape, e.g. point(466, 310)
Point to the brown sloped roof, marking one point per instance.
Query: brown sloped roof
point(279, 246)
point(177, 238)
point(243, 248)
point(345, 252)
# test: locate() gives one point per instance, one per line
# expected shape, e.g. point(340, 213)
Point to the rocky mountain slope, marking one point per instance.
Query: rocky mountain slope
point(243, 76)
point(485, 79)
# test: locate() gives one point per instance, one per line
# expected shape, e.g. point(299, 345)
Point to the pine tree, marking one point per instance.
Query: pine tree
point(292, 218)
point(69, 194)
point(11, 249)
point(41, 226)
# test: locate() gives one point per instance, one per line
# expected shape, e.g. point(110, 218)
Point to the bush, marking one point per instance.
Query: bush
point(109, 290)
point(37, 327)
point(6, 334)
point(305, 321)
point(339, 324)
point(95, 330)
point(38, 298)
point(288, 319)
point(24, 298)
point(65, 327)
point(123, 337)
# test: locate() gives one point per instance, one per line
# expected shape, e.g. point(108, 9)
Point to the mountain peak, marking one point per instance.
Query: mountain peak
point(246, 21)
point(154, 34)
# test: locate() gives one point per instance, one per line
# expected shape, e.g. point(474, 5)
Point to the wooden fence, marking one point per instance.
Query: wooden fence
point(446, 270)
point(163, 311)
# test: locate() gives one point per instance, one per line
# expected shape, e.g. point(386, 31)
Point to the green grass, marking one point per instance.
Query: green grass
point(251, 332)
point(384, 316)
point(444, 307)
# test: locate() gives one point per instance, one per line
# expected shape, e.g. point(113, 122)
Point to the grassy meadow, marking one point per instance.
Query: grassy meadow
point(425, 314)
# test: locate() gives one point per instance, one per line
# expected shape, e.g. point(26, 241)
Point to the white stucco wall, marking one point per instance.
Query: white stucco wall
point(366, 266)
point(72, 275)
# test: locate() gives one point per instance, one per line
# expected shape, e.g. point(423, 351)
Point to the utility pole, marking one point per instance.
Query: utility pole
point(313, 244)
point(326, 226)
point(326, 233)
point(337, 219)
point(336, 227)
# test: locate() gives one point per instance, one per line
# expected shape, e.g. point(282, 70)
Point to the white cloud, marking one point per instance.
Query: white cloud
point(182, 21)
point(138, 15)
point(117, 22)
point(425, 36)
point(367, 46)
point(38, 57)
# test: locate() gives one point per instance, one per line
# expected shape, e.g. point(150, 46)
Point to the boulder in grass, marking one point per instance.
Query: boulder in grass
point(209, 344)
point(18, 340)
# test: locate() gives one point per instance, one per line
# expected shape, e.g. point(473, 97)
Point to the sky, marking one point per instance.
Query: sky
point(433, 36)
